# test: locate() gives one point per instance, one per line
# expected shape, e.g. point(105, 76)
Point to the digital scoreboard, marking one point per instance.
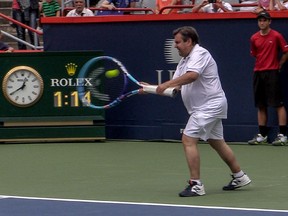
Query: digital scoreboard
point(40, 101)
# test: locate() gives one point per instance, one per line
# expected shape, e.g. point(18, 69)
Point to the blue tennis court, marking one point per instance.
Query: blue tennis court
point(25, 206)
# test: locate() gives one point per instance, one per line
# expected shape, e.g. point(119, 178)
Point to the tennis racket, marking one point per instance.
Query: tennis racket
point(103, 82)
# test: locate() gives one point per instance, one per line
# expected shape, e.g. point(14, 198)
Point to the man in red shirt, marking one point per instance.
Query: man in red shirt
point(265, 47)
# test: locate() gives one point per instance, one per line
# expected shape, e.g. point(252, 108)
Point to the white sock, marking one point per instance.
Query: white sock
point(239, 174)
point(198, 181)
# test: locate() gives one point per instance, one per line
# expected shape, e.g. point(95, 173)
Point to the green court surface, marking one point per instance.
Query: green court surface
point(137, 171)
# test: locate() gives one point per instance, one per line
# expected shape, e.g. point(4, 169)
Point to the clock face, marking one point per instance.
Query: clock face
point(22, 86)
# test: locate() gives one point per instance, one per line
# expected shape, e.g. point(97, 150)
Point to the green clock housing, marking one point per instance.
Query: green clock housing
point(40, 101)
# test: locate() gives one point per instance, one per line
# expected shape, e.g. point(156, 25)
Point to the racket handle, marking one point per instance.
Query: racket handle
point(171, 92)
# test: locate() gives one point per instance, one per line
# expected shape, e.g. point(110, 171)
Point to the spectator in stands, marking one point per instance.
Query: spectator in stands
point(164, 3)
point(25, 12)
point(111, 6)
point(150, 4)
point(5, 47)
point(80, 10)
point(248, 8)
point(50, 8)
point(279, 5)
point(218, 7)
point(264, 5)
point(147, 3)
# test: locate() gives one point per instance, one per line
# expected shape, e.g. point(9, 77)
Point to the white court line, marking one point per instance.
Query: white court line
point(142, 204)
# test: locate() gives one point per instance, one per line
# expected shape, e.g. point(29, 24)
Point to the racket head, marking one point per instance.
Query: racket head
point(102, 82)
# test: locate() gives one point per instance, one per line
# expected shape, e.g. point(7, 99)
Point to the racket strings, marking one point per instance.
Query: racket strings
point(108, 82)
point(95, 89)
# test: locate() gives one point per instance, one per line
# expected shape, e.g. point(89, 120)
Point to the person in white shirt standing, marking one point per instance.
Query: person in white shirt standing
point(202, 94)
point(80, 10)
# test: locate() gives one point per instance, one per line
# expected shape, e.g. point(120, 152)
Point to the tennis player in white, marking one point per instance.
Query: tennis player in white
point(202, 94)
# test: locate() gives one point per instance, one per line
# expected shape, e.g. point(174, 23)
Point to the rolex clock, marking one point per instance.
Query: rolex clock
point(40, 101)
point(22, 86)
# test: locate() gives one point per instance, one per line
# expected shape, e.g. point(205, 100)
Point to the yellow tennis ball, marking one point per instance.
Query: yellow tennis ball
point(112, 73)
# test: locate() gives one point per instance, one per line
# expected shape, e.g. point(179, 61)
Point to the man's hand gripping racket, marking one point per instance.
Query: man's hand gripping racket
point(104, 83)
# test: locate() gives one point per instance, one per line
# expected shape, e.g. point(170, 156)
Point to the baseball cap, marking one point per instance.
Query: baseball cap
point(264, 14)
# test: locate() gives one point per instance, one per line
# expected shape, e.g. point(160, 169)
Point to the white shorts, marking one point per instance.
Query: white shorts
point(204, 127)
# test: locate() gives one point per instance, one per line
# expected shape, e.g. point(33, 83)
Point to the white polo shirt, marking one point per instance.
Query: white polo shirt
point(85, 12)
point(205, 95)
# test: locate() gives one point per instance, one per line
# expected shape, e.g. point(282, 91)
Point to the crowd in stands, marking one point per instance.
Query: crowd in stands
point(109, 7)
point(29, 11)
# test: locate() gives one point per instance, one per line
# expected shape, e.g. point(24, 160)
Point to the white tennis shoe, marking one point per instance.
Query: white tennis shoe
point(237, 182)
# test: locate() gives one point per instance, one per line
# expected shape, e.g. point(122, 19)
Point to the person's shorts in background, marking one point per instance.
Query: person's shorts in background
point(267, 89)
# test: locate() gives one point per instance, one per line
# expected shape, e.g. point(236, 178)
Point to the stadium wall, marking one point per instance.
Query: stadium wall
point(144, 44)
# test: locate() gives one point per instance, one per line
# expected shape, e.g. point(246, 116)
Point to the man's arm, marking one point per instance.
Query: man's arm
point(226, 7)
point(198, 8)
point(57, 13)
point(106, 4)
point(280, 5)
point(186, 78)
point(173, 2)
point(10, 49)
point(283, 59)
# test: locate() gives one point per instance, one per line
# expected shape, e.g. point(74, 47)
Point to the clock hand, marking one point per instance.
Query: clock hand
point(24, 84)
point(12, 93)
point(20, 88)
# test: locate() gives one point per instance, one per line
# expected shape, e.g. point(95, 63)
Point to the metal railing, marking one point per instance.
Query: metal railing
point(36, 33)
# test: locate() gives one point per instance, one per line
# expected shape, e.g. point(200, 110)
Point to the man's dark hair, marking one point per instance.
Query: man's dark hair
point(187, 32)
